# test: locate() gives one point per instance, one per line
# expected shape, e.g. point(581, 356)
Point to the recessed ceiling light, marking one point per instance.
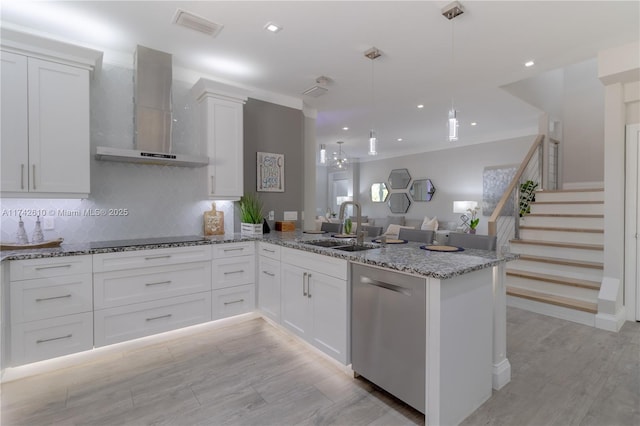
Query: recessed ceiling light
point(474, 123)
point(399, 139)
point(273, 27)
point(529, 64)
point(345, 128)
point(420, 106)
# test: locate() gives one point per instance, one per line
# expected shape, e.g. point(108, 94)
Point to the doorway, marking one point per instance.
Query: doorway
point(632, 219)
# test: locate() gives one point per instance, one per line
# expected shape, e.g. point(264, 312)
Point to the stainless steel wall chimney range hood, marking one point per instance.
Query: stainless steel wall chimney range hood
point(153, 117)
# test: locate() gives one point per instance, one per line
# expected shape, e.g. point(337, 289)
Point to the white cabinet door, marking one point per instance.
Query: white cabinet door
point(58, 128)
point(294, 300)
point(269, 287)
point(14, 147)
point(328, 297)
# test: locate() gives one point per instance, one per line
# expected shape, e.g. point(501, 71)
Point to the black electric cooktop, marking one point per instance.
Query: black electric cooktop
point(146, 241)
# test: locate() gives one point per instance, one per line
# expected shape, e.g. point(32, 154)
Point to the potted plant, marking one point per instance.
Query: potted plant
point(474, 221)
point(250, 215)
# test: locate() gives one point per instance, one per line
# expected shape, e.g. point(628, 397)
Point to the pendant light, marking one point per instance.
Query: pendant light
point(373, 54)
point(451, 11)
point(340, 161)
point(323, 154)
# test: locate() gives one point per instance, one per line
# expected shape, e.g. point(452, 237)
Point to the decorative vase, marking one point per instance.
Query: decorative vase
point(472, 230)
point(251, 229)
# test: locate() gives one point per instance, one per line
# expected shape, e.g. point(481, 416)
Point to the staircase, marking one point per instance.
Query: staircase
point(561, 255)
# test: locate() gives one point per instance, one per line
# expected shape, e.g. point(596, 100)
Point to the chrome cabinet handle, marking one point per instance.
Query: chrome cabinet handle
point(309, 286)
point(39, 268)
point(68, 336)
point(53, 298)
point(166, 256)
point(21, 176)
point(268, 250)
point(304, 284)
point(34, 176)
point(157, 318)
point(233, 301)
point(213, 184)
point(158, 283)
point(234, 272)
point(269, 273)
point(234, 249)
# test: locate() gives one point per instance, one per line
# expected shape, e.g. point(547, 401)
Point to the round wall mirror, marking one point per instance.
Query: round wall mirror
point(399, 178)
point(422, 190)
point(379, 192)
point(399, 202)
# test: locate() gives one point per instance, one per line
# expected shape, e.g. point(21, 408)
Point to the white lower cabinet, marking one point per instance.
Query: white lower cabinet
point(313, 303)
point(128, 322)
point(233, 279)
point(269, 287)
point(51, 306)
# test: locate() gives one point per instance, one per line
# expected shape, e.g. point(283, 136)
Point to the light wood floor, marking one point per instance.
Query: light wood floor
point(253, 374)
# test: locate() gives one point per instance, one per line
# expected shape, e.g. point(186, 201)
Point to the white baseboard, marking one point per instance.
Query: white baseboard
point(501, 374)
point(553, 311)
point(611, 322)
point(583, 185)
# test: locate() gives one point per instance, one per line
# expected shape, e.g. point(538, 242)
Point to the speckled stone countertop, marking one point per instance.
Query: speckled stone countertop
point(409, 257)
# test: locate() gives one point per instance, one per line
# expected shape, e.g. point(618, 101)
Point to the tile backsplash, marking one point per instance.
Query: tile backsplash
point(127, 200)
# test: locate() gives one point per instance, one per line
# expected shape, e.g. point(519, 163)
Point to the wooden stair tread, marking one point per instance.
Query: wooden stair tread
point(564, 229)
point(553, 299)
point(558, 244)
point(566, 262)
point(573, 215)
point(567, 202)
point(555, 279)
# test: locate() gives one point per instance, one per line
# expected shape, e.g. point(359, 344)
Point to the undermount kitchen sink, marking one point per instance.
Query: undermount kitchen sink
point(353, 248)
point(338, 245)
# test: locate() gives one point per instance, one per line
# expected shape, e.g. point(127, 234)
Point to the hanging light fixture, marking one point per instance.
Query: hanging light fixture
point(451, 11)
point(373, 54)
point(340, 161)
point(323, 154)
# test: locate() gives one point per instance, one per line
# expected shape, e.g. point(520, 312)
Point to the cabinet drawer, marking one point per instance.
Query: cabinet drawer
point(221, 251)
point(117, 288)
point(327, 265)
point(49, 338)
point(50, 297)
point(234, 271)
point(269, 250)
point(49, 267)
point(232, 301)
point(122, 323)
point(106, 262)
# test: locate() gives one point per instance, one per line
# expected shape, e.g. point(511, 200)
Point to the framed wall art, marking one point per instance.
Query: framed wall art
point(270, 172)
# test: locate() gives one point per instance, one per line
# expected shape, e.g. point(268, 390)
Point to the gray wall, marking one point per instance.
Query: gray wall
point(277, 129)
point(457, 174)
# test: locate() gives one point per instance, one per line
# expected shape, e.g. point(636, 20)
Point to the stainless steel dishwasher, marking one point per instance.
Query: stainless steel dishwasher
point(388, 331)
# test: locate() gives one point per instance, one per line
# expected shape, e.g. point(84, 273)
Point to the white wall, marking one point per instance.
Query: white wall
point(457, 174)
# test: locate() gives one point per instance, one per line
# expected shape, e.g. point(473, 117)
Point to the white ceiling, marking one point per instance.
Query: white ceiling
point(493, 39)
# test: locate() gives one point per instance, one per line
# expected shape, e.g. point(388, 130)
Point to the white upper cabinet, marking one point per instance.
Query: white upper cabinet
point(45, 119)
point(221, 119)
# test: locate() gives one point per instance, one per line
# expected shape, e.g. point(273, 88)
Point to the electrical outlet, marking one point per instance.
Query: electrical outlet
point(272, 215)
point(290, 215)
point(48, 223)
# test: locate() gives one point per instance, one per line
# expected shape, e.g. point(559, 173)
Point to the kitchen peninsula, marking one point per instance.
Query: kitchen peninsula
point(464, 297)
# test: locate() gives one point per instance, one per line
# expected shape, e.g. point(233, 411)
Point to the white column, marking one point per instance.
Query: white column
point(501, 366)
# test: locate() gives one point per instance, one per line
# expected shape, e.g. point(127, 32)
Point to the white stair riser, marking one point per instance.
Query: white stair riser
point(568, 271)
point(558, 252)
point(567, 208)
point(564, 222)
point(562, 236)
point(570, 196)
point(574, 315)
point(554, 289)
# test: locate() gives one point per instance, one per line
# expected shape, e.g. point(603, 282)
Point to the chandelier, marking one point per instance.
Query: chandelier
point(339, 159)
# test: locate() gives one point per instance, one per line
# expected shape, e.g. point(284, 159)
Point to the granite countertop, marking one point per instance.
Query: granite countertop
point(409, 257)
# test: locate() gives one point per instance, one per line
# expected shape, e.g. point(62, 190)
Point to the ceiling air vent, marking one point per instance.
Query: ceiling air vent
point(196, 23)
point(319, 89)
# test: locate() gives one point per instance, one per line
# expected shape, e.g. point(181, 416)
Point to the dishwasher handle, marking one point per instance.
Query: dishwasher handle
point(388, 286)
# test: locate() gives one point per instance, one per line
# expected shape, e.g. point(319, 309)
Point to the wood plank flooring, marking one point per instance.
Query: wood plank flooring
point(253, 374)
